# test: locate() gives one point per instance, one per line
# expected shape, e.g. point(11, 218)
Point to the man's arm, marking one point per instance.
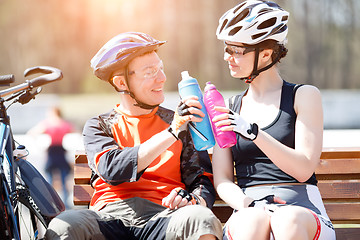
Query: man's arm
point(197, 172)
point(105, 158)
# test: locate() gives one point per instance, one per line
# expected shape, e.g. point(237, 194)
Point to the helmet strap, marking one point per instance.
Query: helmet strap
point(138, 103)
point(255, 71)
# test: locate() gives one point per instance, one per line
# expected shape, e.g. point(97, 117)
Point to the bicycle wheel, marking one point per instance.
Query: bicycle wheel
point(32, 224)
point(8, 230)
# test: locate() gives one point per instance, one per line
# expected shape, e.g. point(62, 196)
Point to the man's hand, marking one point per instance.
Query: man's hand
point(184, 113)
point(178, 198)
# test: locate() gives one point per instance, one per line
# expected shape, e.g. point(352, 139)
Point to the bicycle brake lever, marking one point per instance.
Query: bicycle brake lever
point(27, 96)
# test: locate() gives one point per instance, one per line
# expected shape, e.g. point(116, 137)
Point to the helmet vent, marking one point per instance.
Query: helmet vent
point(267, 23)
point(234, 30)
point(284, 18)
point(279, 29)
point(258, 35)
point(223, 25)
point(239, 17)
point(240, 6)
point(265, 10)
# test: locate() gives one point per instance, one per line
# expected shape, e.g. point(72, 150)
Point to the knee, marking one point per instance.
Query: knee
point(285, 216)
point(292, 217)
point(249, 216)
point(198, 214)
point(194, 221)
point(249, 223)
point(64, 221)
point(72, 224)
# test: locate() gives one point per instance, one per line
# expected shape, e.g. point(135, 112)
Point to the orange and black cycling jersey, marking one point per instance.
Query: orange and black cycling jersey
point(112, 142)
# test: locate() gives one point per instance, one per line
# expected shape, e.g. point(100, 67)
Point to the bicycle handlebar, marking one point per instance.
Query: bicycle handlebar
point(51, 74)
point(7, 79)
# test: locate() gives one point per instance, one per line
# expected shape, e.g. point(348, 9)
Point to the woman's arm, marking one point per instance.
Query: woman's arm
point(223, 170)
point(302, 161)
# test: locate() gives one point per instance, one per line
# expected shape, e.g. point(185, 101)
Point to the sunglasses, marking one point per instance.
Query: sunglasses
point(237, 51)
point(148, 72)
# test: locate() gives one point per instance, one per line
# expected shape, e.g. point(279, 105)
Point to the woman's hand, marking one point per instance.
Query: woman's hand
point(232, 121)
point(267, 203)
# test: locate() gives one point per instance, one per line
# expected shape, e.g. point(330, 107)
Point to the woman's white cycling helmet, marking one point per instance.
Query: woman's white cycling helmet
point(252, 22)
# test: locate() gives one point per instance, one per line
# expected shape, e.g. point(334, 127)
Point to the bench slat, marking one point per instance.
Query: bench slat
point(83, 194)
point(346, 189)
point(80, 157)
point(347, 233)
point(340, 152)
point(82, 173)
point(339, 166)
point(343, 212)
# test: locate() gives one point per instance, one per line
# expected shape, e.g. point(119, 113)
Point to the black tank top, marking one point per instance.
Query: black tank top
point(252, 166)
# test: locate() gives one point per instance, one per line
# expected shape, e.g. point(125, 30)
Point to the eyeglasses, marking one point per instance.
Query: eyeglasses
point(237, 51)
point(149, 72)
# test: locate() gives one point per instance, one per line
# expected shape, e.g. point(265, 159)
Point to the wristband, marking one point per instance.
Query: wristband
point(253, 130)
point(170, 130)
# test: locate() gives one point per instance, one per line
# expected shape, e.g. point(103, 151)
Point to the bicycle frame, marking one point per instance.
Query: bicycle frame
point(6, 156)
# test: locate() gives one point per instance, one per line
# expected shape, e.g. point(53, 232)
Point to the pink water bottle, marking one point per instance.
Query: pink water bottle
point(213, 98)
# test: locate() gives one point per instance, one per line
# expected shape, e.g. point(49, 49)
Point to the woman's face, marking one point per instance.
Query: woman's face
point(240, 59)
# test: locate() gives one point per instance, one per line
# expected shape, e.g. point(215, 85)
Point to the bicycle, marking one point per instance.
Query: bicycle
point(27, 201)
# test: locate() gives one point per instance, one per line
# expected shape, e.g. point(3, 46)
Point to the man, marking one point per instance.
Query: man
point(148, 179)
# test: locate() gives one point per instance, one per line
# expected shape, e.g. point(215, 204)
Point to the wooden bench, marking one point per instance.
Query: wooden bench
point(339, 184)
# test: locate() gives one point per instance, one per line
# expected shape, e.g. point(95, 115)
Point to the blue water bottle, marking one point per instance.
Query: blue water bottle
point(201, 132)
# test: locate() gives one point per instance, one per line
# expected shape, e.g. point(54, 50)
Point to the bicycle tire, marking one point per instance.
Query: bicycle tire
point(6, 224)
point(29, 216)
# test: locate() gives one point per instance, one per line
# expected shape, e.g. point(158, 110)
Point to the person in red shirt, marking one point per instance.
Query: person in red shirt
point(149, 181)
point(56, 128)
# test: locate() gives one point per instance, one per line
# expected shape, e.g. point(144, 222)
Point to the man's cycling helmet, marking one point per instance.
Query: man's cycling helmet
point(252, 22)
point(120, 50)
point(116, 55)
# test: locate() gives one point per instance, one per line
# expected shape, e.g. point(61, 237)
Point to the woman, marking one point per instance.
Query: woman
point(279, 129)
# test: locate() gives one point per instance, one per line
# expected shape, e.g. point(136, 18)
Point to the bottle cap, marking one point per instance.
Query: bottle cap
point(185, 75)
point(209, 86)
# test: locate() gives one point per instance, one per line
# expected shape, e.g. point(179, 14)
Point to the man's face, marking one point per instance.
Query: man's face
point(147, 78)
